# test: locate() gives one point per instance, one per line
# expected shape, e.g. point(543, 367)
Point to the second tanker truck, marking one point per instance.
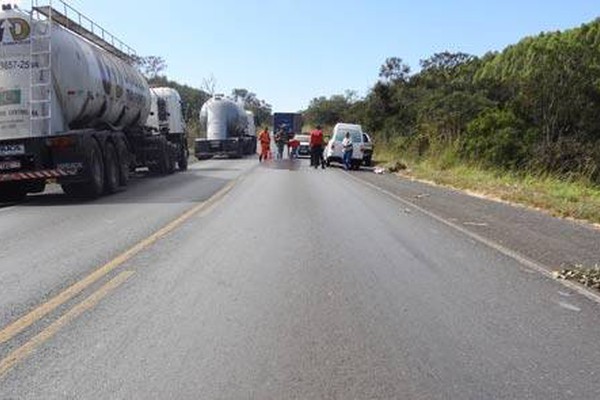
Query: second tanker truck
point(73, 108)
point(229, 129)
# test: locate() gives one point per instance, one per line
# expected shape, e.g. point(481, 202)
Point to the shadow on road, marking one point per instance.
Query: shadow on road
point(183, 187)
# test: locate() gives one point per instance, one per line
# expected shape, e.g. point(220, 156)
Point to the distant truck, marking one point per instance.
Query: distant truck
point(291, 123)
point(229, 129)
point(73, 109)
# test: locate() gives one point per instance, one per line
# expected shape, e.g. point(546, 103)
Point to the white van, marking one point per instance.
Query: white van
point(334, 150)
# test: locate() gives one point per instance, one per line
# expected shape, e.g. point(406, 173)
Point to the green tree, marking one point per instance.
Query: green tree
point(150, 66)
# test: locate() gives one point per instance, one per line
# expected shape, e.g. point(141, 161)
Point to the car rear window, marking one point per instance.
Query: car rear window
point(355, 135)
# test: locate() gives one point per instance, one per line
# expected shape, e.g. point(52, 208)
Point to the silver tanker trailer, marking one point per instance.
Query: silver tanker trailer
point(227, 129)
point(73, 108)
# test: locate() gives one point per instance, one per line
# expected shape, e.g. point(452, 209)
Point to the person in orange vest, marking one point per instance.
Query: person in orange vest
point(316, 148)
point(265, 145)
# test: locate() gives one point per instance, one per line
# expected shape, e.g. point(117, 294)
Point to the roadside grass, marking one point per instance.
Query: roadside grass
point(560, 197)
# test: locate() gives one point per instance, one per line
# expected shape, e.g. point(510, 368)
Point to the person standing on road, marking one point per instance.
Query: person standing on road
point(316, 148)
point(265, 145)
point(280, 141)
point(348, 148)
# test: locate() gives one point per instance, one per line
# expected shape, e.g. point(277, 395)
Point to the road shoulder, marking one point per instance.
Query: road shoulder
point(549, 241)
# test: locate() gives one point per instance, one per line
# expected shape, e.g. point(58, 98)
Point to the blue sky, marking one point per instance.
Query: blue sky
point(289, 51)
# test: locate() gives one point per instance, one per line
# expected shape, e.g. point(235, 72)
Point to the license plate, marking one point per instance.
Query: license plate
point(8, 165)
point(12, 149)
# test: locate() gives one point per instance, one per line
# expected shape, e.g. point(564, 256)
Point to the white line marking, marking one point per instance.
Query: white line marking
point(468, 223)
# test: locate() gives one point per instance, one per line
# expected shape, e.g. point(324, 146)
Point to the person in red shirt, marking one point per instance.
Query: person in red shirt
point(316, 148)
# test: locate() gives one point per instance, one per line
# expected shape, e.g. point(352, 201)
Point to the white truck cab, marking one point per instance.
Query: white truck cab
point(166, 111)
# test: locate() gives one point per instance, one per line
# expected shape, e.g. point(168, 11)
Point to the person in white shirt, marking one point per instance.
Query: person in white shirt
point(348, 147)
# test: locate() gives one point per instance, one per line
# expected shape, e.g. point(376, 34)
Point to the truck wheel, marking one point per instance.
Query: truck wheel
point(36, 186)
point(111, 169)
point(94, 187)
point(153, 169)
point(124, 163)
point(171, 163)
point(368, 162)
point(170, 159)
point(12, 191)
point(161, 164)
point(182, 163)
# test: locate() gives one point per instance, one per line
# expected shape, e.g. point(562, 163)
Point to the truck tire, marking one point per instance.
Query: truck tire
point(368, 162)
point(111, 169)
point(155, 169)
point(170, 159)
point(36, 186)
point(163, 158)
point(12, 192)
point(124, 163)
point(94, 187)
point(182, 163)
point(240, 149)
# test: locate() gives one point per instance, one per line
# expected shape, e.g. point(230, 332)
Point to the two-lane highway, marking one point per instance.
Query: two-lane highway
point(291, 283)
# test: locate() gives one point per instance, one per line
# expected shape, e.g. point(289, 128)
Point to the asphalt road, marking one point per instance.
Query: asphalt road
point(291, 283)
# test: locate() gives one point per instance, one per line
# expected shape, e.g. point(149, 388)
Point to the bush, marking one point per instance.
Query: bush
point(496, 138)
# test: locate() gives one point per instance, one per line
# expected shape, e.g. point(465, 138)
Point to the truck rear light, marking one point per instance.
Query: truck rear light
point(62, 142)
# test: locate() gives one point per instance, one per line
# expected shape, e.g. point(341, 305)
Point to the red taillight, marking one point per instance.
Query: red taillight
point(61, 142)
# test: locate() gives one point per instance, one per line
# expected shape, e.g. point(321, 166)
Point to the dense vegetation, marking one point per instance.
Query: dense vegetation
point(533, 107)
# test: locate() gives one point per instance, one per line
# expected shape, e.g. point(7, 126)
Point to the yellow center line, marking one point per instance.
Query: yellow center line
point(35, 315)
point(25, 350)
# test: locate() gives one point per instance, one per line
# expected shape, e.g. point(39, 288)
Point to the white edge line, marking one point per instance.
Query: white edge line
point(489, 243)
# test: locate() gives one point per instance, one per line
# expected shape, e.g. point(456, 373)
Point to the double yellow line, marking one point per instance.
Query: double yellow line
point(24, 322)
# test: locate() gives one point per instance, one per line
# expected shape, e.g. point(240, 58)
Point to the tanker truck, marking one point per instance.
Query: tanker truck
point(227, 128)
point(73, 108)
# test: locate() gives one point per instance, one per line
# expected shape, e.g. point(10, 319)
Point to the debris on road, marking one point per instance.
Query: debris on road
point(422, 195)
point(396, 166)
point(379, 170)
point(589, 277)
